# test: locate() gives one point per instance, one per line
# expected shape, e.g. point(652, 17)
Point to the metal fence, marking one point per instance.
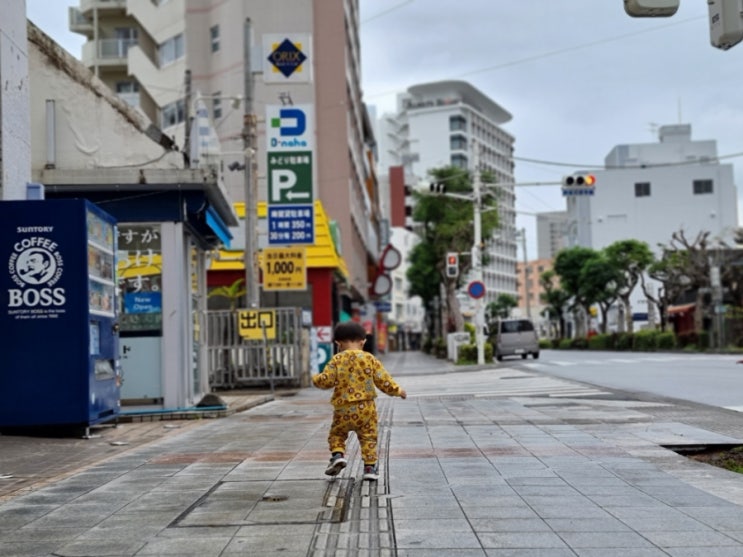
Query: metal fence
point(236, 362)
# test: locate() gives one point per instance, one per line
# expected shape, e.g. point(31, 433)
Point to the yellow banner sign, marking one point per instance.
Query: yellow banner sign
point(284, 268)
point(252, 322)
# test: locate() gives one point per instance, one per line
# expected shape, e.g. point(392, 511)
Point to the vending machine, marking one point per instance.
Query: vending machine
point(58, 316)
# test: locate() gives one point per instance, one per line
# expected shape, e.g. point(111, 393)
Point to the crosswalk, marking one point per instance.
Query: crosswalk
point(502, 382)
point(546, 364)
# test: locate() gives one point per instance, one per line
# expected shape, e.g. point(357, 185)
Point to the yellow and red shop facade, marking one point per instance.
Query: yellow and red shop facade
point(326, 273)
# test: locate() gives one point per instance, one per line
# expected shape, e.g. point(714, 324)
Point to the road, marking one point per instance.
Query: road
point(713, 379)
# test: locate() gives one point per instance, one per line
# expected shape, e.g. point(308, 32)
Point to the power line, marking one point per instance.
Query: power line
point(558, 51)
point(632, 166)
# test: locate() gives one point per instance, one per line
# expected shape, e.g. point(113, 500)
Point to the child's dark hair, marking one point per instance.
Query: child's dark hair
point(350, 330)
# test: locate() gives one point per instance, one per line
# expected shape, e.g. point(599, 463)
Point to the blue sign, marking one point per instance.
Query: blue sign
point(143, 302)
point(476, 289)
point(291, 224)
point(578, 191)
point(383, 306)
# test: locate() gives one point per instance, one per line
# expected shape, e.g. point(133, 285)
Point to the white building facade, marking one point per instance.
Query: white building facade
point(436, 125)
point(649, 191)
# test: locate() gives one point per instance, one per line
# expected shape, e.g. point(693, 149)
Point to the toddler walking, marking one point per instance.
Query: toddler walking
point(354, 376)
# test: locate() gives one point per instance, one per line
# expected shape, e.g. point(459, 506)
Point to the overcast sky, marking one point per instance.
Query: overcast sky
point(578, 76)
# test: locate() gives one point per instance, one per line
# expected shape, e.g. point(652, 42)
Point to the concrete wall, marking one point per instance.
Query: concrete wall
point(15, 132)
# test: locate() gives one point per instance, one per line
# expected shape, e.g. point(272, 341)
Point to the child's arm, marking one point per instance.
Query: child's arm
point(384, 382)
point(326, 379)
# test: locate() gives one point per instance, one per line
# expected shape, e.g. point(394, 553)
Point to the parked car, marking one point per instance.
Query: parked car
point(516, 337)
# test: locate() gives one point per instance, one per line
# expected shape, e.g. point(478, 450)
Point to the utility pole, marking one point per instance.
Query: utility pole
point(251, 183)
point(477, 256)
point(526, 273)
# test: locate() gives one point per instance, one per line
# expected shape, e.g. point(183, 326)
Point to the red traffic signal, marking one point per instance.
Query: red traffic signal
point(452, 264)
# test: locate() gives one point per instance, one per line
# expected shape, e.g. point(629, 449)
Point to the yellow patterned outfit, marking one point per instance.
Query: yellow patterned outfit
point(355, 376)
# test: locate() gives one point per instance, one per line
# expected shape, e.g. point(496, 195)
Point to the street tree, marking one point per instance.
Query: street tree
point(600, 282)
point(499, 309)
point(632, 257)
point(445, 225)
point(568, 266)
point(555, 300)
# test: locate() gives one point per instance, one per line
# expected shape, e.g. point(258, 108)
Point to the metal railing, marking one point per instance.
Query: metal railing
point(234, 361)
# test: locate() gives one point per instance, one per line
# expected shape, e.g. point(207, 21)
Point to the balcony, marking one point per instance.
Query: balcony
point(78, 23)
point(107, 52)
point(102, 5)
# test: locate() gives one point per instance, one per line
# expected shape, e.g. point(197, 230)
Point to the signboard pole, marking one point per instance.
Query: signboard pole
point(251, 183)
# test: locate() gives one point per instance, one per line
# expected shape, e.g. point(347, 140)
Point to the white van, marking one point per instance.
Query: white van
point(516, 337)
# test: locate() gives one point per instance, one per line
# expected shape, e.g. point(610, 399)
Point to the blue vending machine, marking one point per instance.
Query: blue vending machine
point(58, 317)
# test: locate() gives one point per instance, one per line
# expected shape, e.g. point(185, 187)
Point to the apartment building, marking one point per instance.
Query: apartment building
point(438, 124)
point(164, 56)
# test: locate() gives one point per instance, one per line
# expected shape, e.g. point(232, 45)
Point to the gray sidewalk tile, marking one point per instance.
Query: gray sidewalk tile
point(521, 540)
point(587, 525)
point(707, 538)
point(427, 539)
point(191, 547)
point(620, 552)
point(100, 548)
point(702, 551)
point(604, 539)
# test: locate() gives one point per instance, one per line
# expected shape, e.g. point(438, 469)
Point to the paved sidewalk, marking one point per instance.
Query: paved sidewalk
point(482, 462)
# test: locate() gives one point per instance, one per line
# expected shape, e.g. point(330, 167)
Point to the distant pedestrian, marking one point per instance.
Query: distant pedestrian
point(354, 376)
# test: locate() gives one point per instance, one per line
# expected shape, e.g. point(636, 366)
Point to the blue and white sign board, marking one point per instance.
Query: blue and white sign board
point(291, 224)
point(383, 306)
point(578, 190)
point(290, 128)
point(287, 58)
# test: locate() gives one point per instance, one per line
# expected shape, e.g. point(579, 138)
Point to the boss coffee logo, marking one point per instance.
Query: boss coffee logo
point(36, 266)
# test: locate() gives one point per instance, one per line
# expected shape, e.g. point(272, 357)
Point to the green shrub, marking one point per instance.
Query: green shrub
point(579, 343)
point(468, 353)
point(624, 341)
point(470, 328)
point(565, 343)
point(439, 348)
point(546, 343)
point(646, 341)
point(599, 342)
point(427, 345)
point(666, 341)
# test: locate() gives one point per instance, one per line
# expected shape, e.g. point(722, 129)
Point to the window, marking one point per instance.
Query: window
point(459, 161)
point(642, 189)
point(458, 143)
point(173, 113)
point(702, 187)
point(214, 36)
point(171, 50)
point(457, 123)
point(217, 105)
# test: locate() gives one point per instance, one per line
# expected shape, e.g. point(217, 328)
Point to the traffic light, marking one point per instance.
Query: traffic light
point(651, 8)
point(452, 264)
point(580, 180)
point(437, 187)
point(725, 23)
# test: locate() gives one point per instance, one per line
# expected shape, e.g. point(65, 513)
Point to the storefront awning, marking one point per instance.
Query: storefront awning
point(680, 310)
point(216, 223)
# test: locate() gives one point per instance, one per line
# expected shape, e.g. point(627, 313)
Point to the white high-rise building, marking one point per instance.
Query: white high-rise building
point(648, 191)
point(436, 125)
